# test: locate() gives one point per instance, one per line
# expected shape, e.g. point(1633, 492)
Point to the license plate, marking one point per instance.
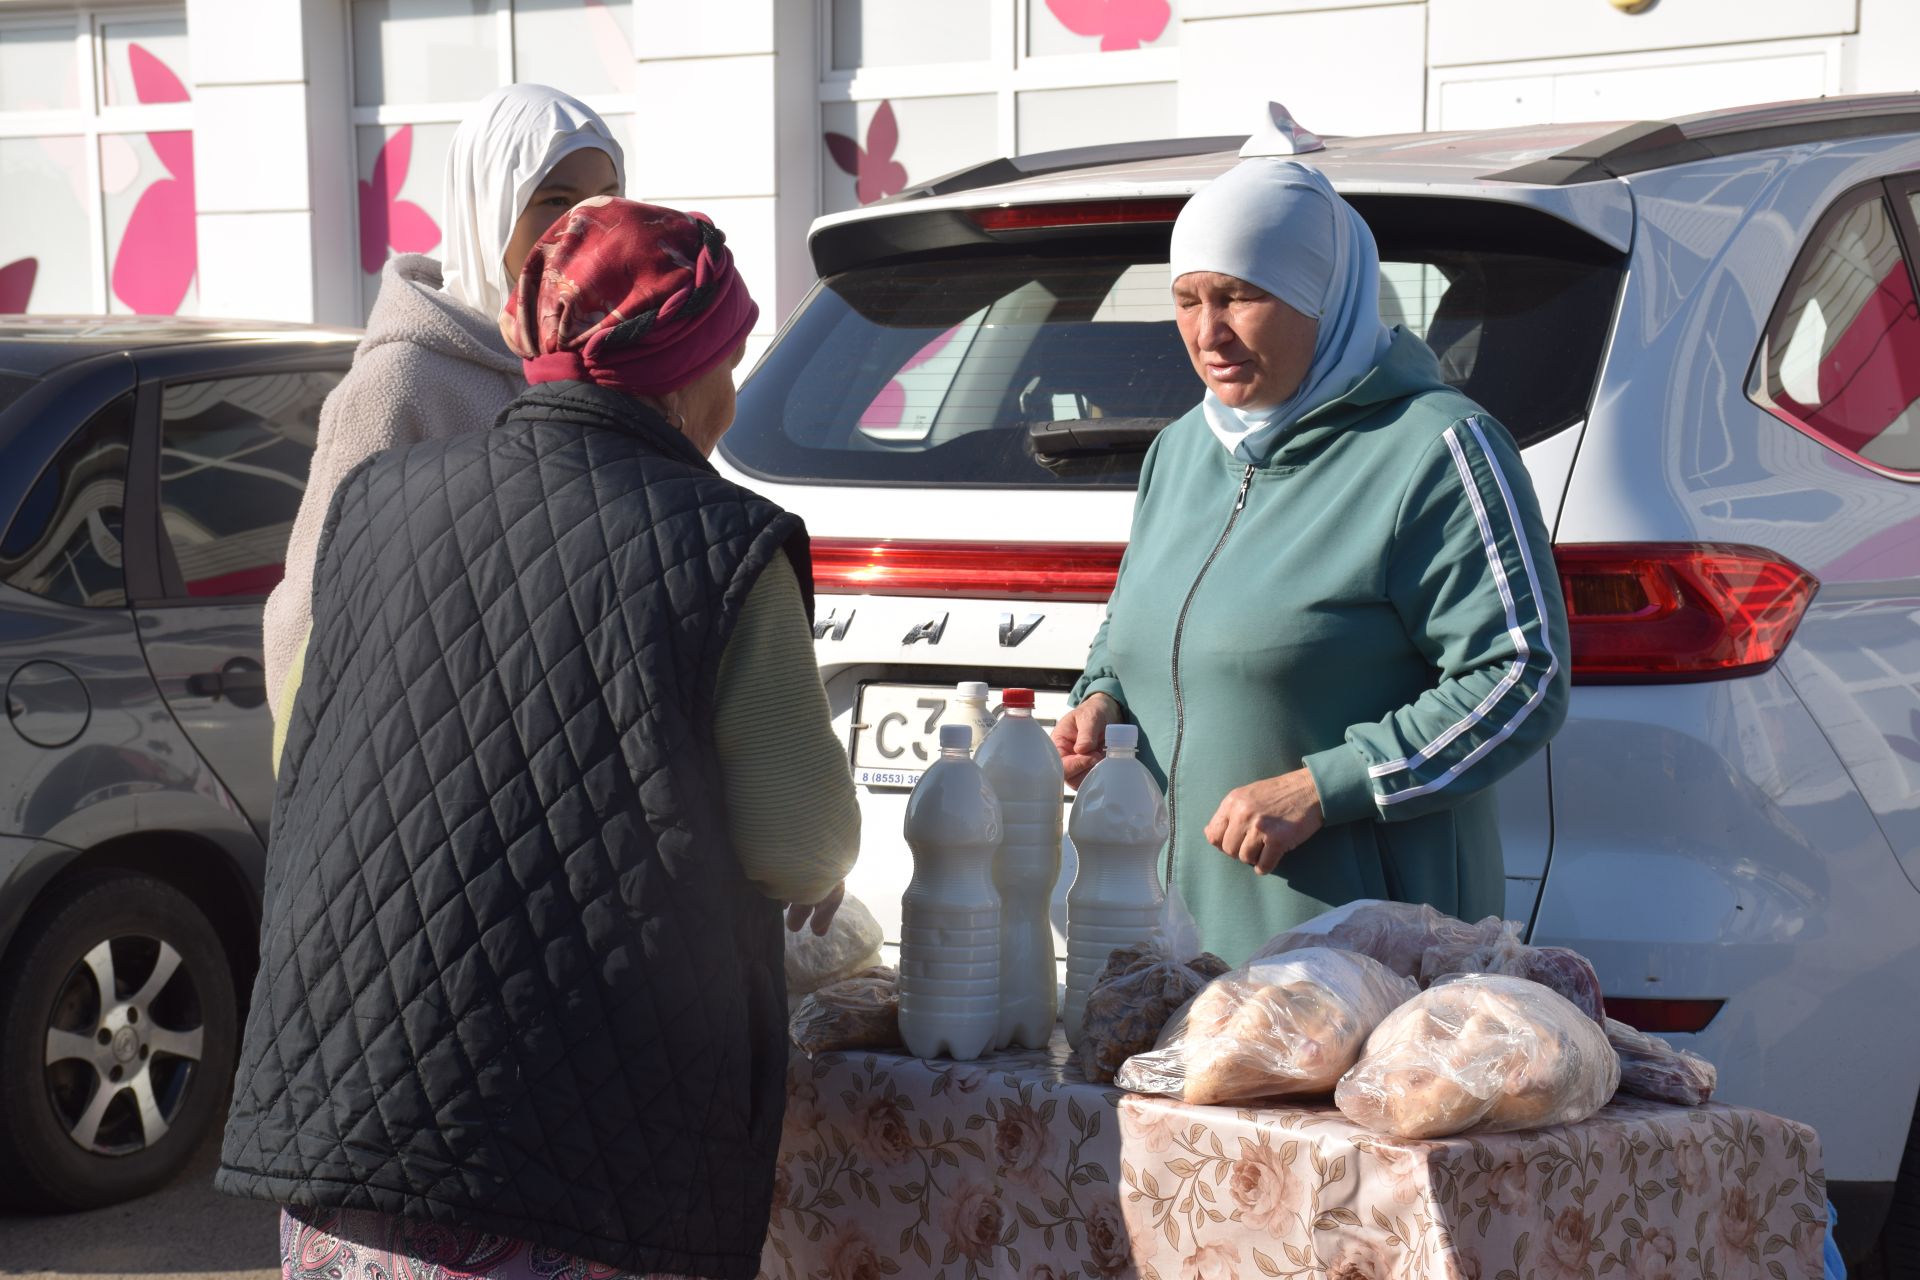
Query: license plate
point(896, 730)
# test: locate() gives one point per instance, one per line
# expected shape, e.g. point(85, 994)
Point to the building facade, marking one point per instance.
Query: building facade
point(261, 158)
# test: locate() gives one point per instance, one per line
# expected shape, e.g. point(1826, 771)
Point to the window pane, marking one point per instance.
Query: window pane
point(152, 246)
point(886, 33)
point(1052, 119)
point(64, 543)
point(1844, 361)
point(1108, 26)
point(233, 463)
point(876, 149)
point(46, 252)
point(133, 78)
point(39, 69)
point(399, 194)
point(425, 50)
point(582, 46)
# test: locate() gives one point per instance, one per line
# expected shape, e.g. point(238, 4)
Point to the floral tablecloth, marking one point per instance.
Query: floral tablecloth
point(1016, 1166)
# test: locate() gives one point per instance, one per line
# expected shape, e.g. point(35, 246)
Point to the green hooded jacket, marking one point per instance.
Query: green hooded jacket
point(1378, 602)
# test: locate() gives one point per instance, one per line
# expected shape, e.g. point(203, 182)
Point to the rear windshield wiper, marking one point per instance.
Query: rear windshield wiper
point(1072, 437)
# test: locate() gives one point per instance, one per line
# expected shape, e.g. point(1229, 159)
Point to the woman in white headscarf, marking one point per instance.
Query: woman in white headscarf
point(1338, 621)
point(433, 362)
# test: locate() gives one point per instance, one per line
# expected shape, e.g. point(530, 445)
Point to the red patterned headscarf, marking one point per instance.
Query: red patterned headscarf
point(629, 296)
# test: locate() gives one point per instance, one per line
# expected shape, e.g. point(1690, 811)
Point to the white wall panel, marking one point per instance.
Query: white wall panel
point(1256, 8)
point(246, 41)
point(731, 152)
point(1885, 56)
point(1348, 71)
point(250, 147)
point(677, 29)
point(1501, 30)
point(256, 266)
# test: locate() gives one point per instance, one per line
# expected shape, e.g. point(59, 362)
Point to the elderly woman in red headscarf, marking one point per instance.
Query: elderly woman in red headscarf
point(558, 752)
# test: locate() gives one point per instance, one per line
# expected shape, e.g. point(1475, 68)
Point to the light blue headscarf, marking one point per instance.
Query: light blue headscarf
point(1280, 225)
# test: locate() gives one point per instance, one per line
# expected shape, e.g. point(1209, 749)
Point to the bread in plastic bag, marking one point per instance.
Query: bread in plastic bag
point(1140, 988)
point(1493, 946)
point(851, 944)
point(1397, 934)
point(1289, 1024)
point(1480, 1051)
point(1652, 1068)
point(860, 1012)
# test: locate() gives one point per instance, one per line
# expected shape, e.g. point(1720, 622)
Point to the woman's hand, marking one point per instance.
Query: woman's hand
point(1081, 736)
point(1262, 822)
point(821, 911)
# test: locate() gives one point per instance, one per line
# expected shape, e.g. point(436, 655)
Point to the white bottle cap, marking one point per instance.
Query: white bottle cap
point(972, 689)
point(954, 736)
point(1123, 737)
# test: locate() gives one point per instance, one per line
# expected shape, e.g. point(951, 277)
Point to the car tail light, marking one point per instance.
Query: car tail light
point(1076, 213)
point(1652, 612)
point(977, 570)
point(1661, 1017)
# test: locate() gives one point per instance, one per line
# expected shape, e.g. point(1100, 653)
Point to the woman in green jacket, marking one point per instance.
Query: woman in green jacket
point(1338, 622)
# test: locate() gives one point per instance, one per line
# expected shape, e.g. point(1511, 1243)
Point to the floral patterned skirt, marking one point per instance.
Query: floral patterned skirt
point(353, 1244)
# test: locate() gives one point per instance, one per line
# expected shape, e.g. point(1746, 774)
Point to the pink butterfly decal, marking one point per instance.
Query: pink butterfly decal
point(160, 251)
point(16, 285)
point(1120, 24)
point(876, 174)
point(387, 221)
point(889, 407)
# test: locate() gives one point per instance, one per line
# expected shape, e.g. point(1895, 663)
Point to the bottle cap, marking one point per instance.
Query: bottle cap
point(972, 689)
point(954, 736)
point(1123, 737)
point(1017, 698)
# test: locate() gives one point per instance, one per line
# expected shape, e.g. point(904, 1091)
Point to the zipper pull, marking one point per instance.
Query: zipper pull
point(1246, 482)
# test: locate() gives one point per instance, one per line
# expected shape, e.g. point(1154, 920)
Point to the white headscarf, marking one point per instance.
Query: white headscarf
point(1280, 225)
point(500, 154)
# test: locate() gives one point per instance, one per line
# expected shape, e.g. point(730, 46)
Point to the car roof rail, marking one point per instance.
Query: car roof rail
point(992, 173)
point(1657, 144)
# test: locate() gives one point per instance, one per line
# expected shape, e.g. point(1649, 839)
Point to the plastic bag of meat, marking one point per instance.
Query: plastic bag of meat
point(1290, 1024)
point(1480, 1051)
point(1140, 989)
point(1494, 946)
point(1652, 1068)
point(861, 1012)
point(1397, 934)
point(851, 944)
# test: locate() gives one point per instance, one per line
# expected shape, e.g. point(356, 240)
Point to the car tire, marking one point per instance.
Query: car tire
point(140, 1073)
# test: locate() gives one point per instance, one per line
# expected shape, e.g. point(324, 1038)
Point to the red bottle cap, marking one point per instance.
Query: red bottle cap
point(1017, 698)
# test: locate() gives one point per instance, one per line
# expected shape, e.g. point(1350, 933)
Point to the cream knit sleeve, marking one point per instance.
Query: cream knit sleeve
point(791, 805)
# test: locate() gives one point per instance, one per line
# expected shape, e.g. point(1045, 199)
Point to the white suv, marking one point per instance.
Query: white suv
point(1704, 334)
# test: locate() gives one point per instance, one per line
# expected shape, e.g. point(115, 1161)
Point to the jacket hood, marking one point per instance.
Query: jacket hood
point(413, 308)
point(1408, 368)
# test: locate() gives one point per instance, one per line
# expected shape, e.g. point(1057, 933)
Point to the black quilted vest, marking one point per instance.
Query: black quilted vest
point(512, 975)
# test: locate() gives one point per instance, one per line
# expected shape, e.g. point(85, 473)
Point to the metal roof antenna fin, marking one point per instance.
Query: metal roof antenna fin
point(1281, 135)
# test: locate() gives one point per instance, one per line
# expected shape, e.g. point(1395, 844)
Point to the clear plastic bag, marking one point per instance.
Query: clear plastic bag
point(851, 945)
point(861, 1012)
point(1141, 987)
point(1289, 1024)
point(1397, 934)
point(1480, 1051)
point(1493, 946)
point(1652, 1068)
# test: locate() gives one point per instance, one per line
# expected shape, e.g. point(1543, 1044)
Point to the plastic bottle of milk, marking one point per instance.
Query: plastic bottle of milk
point(969, 707)
point(950, 914)
point(1119, 826)
point(1023, 766)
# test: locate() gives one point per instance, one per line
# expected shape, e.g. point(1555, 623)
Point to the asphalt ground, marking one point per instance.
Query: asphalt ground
point(185, 1231)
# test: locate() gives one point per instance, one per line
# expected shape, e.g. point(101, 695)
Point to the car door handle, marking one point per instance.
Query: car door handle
point(242, 681)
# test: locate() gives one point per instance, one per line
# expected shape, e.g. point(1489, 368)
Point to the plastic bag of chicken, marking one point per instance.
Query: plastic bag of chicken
point(1652, 1068)
point(1484, 1052)
point(1288, 1025)
point(860, 1012)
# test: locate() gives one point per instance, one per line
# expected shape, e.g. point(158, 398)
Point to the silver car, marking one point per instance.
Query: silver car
point(1704, 334)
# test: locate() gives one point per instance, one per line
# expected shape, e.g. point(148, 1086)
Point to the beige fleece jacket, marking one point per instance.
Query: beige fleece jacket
point(428, 368)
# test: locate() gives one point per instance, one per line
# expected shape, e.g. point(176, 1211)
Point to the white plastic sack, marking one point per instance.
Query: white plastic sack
point(1290, 1024)
point(852, 943)
point(1481, 1051)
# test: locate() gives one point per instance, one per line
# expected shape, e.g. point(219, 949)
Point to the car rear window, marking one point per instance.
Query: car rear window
point(973, 369)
